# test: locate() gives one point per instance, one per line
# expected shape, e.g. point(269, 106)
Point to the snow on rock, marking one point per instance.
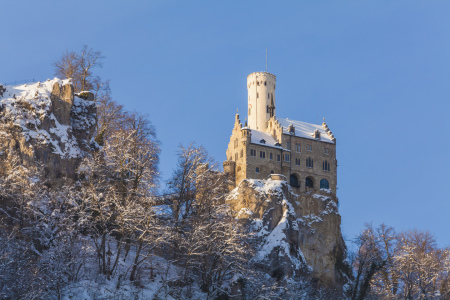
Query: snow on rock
point(46, 122)
point(294, 234)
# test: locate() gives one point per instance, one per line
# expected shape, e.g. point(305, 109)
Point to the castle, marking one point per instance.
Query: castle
point(267, 146)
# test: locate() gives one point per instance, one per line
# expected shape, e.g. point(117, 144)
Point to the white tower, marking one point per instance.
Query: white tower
point(261, 99)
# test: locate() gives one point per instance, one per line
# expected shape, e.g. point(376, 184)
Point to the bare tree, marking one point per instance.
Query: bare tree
point(184, 178)
point(367, 262)
point(68, 65)
point(420, 264)
point(79, 67)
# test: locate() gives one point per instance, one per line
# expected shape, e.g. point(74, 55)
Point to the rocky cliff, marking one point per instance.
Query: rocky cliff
point(46, 125)
point(295, 234)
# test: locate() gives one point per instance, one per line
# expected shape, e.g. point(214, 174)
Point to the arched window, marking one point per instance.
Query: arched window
point(293, 181)
point(309, 183)
point(257, 170)
point(271, 172)
point(239, 169)
point(324, 184)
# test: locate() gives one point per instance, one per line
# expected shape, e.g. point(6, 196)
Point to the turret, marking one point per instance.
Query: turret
point(246, 134)
point(261, 99)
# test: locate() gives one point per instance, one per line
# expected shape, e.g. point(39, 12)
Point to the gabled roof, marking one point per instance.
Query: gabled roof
point(305, 130)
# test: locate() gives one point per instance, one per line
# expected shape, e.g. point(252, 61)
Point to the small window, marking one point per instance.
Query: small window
point(324, 184)
point(271, 171)
point(287, 157)
point(326, 151)
point(242, 153)
point(262, 154)
point(267, 108)
point(257, 95)
point(236, 157)
point(265, 82)
point(309, 163)
point(257, 170)
point(270, 156)
point(268, 96)
point(278, 157)
point(288, 145)
point(326, 166)
point(309, 148)
point(249, 111)
point(236, 143)
point(298, 148)
point(297, 161)
point(252, 152)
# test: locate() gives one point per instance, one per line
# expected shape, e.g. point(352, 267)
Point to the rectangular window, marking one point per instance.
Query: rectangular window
point(309, 148)
point(288, 145)
point(236, 157)
point(262, 154)
point(257, 95)
point(278, 157)
point(297, 161)
point(252, 152)
point(326, 151)
point(270, 156)
point(287, 157)
point(298, 148)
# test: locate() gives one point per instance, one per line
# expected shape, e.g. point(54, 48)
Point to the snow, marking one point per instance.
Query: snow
point(267, 186)
point(277, 239)
point(304, 130)
point(257, 136)
point(28, 105)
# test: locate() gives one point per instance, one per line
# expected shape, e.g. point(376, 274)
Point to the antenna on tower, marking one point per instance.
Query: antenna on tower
point(266, 59)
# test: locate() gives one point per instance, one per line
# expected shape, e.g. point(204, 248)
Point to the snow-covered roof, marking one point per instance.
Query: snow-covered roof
point(304, 130)
point(258, 136)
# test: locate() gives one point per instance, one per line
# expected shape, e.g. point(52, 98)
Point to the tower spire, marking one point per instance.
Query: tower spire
point(266, 59)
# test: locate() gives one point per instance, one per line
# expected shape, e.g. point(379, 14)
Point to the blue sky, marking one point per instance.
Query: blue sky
point(378, 71)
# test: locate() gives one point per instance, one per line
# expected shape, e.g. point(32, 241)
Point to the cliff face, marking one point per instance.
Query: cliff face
point(45, 125)
point(295, 234)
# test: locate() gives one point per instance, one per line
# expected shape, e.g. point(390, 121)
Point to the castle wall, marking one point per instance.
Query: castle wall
point(317, 155)
point(247, 158)
point(240, 152)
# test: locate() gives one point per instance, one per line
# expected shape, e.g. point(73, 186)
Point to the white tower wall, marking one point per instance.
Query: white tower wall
point(261, 89)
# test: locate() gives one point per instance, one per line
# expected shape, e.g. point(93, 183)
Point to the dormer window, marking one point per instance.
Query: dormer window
point(263, 141)
point(291, 129)
point(278, 144)
point(316, 134)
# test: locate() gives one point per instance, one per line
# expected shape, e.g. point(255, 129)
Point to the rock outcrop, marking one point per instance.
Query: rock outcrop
point(45, 125)
point(295, 234)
